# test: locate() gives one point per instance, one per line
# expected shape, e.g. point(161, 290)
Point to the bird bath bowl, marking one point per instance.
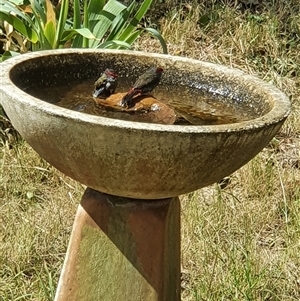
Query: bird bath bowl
point(125, 243)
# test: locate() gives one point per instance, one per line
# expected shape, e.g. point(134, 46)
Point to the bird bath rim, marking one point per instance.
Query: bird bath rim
point(134, 159)
point(280, 107)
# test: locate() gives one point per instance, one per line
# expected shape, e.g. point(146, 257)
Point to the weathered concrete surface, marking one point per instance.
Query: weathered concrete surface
point(123, 250)
point(135, 159)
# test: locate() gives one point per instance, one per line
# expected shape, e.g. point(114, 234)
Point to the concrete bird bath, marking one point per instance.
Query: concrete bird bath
point(125, 243)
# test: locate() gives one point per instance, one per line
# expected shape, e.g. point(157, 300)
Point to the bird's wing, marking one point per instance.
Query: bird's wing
point(100, 81)
point(144, 80)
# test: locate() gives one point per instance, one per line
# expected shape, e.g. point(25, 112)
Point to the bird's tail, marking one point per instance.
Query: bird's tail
point(97, 92)
point(126, 100)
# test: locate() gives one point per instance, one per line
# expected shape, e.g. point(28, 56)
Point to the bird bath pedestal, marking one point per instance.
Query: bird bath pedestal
point(125, 243)
point(123, 249)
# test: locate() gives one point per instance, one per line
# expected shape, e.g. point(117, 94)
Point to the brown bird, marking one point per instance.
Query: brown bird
point(144, 84)
point(106, 84)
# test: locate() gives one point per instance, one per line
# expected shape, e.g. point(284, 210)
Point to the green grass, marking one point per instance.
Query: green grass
point(238, 243)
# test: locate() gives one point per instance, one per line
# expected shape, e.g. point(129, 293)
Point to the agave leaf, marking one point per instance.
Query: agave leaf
point(20, 26)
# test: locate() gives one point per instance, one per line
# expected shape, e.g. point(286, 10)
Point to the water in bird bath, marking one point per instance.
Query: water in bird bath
point(181, 105)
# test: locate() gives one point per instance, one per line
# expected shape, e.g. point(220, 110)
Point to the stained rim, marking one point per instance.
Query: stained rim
point(280, 110)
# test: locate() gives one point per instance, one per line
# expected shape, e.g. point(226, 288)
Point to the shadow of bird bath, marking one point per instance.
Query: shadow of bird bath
point(125, 243)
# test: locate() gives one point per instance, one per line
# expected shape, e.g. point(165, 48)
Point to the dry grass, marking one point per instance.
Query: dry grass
point(37, 210)
point(241, 242)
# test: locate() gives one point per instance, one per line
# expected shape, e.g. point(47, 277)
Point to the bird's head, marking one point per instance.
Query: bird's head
point(111, 73)
point(159, 70)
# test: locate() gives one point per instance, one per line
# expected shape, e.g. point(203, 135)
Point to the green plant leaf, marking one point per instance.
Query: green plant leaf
point(17, 2)
point(114, 44)
point(43, 42)
point(134, 35)
point(39, 11)
point(50, 13)
point(76, 14)
point(10, 10)
point(8, 54)
point(157, 35)
point(20, 26)
point(50, 32)
point(85, 32)
point(63, 15)
point(85, 42)
point(70, 33)
point(135, 20)
point(50, 26)
point(95, 6)
point(100, 23)
point(78, 40)
point(120, 22)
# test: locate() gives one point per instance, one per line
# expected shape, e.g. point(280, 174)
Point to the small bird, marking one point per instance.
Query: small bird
point(144, 84)
point(106, 84)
